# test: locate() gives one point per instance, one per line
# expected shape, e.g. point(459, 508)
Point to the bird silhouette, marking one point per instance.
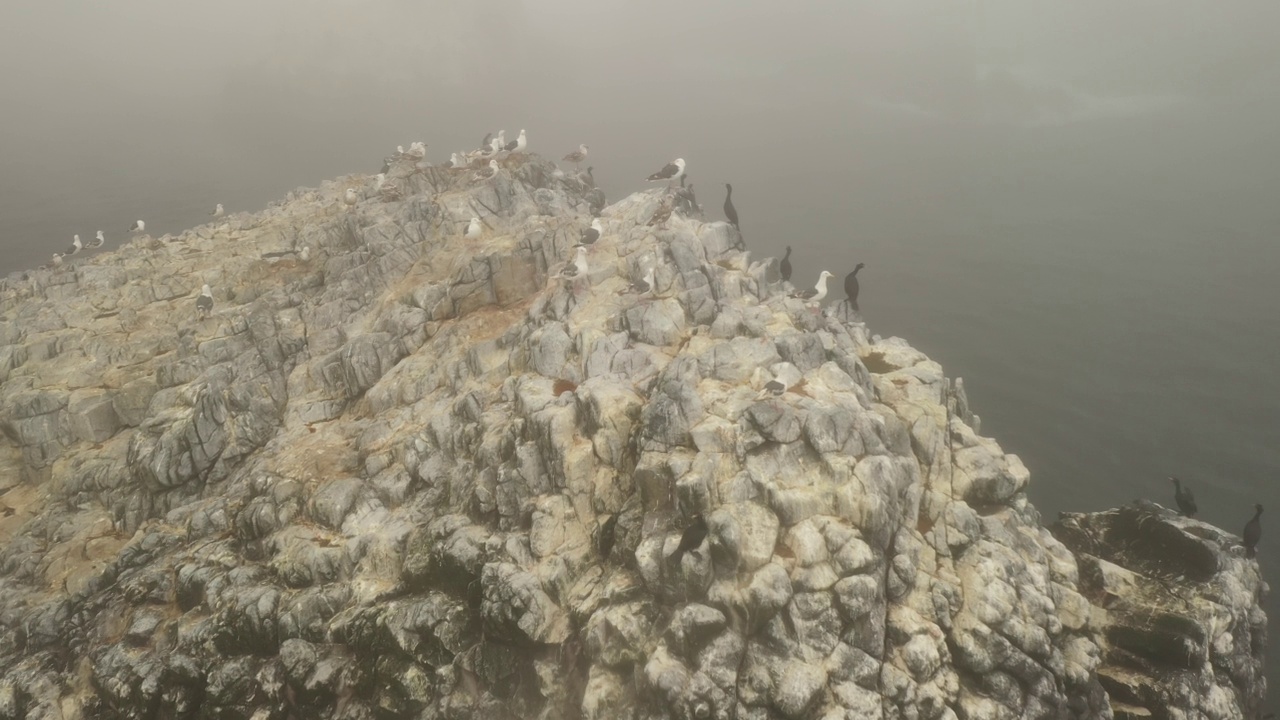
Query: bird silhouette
point(1253, 533)
point(1183, 497)
point(851, 286)
point(692, 537)
point(729, 210)
point(785, 267)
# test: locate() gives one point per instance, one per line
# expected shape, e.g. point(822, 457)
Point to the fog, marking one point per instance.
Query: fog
point(1069, 204)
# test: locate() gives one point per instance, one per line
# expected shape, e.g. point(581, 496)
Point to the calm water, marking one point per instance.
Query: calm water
point(1107, 289)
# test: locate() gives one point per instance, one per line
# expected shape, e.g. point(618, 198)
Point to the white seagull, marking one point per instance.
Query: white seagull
point(579, 266)
point(519, 144)
point(671, 172)
point(577, 156)
point(204, 303)
point(57, 258)
point(138, 227)
point(818, 292)
point(75, 247)
point(350, 197)
point(97, 241)
point(218, 211)
point(486, 173)
point(474, 228)
point(642, 287)
point(593, 233)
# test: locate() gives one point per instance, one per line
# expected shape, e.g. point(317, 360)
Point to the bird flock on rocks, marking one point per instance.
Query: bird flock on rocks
point(483, 162)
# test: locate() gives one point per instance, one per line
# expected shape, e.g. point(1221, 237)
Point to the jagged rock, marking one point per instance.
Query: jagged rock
point(424, 476)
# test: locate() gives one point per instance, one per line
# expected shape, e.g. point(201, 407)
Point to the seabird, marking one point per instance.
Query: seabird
point(350, 197)
point(75, 247)
point(775, 386)
point(578, 267)
point(474, 228)
point(729, 210)
point(305, 253)
point(1253, 533)
point(641, 287)
point(608, 534)
point(418, 149)
point(785, 267)
point(57, 258)
point(692, 537)
point(97, 240)
point(851, 286)
point(454, 162)
point(517, 145)
point(673, 171)
point(485, 173)
point(218, 211)
point(1183, 497)
point(591, 178)
point(484, 144)
point(378, 181)
point(399, 149)
point(818, 292)
point(577, 156)
point(495, 146)
point(204, 303)
point(138, 226)
point(593, 233)
point(502, 139)
point(662, 214)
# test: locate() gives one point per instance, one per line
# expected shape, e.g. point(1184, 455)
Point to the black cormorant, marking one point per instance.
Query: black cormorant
point(785, 268)
point(729, 210)
point(692, 537)
point(851, 286)
point(1183, 497)
point(1253, 533)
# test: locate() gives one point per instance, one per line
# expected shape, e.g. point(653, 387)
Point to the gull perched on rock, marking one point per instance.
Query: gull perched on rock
point(517, 145)
point(305, 253)
point(578, 268)
point(350, 198)
point(670, 172)
point(75, 247)
point(97, 241)
point(641, 287)
point(474, 228)
point(418, 149)
point(818, 292)
point(204, 303)
point(487, 173)
point(577, 156)
point(57, 258)
point(218, 211)
point(138, 227)
point(593, 233)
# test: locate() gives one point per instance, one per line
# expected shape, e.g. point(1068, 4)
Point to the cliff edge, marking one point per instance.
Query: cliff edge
point(417, 475)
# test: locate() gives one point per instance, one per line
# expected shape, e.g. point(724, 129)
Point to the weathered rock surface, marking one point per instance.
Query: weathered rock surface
point(420, 476)
point(1180, 608)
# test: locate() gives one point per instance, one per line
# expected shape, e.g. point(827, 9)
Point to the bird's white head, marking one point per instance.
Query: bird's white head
point(680, 163)
point(76, 238)
point(521, 132)
point(400, 149)
point(99, 235)
point(823, 275)
point(582, 252)
point(493, 164)
point(584, 149)
point(305, 254)
point(206, 290)
point(595, 225)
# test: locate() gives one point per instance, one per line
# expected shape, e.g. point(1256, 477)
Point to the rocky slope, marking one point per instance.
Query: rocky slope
point(421, 476)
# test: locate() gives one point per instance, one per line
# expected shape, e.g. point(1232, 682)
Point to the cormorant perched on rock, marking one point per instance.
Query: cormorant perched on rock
point(670, 172)
point(593, 233)
point(608, 535)
point(692, 537)
point(1183, 497)
point(729, 210)
point(1253, 533)
point(851, 286)
point(818, 292)
point(785, 267)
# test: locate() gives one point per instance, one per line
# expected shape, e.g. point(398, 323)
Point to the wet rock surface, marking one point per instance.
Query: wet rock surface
point(422, 476)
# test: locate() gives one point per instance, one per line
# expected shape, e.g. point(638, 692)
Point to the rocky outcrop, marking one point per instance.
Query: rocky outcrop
point(1180, 610)
point(422, 476)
